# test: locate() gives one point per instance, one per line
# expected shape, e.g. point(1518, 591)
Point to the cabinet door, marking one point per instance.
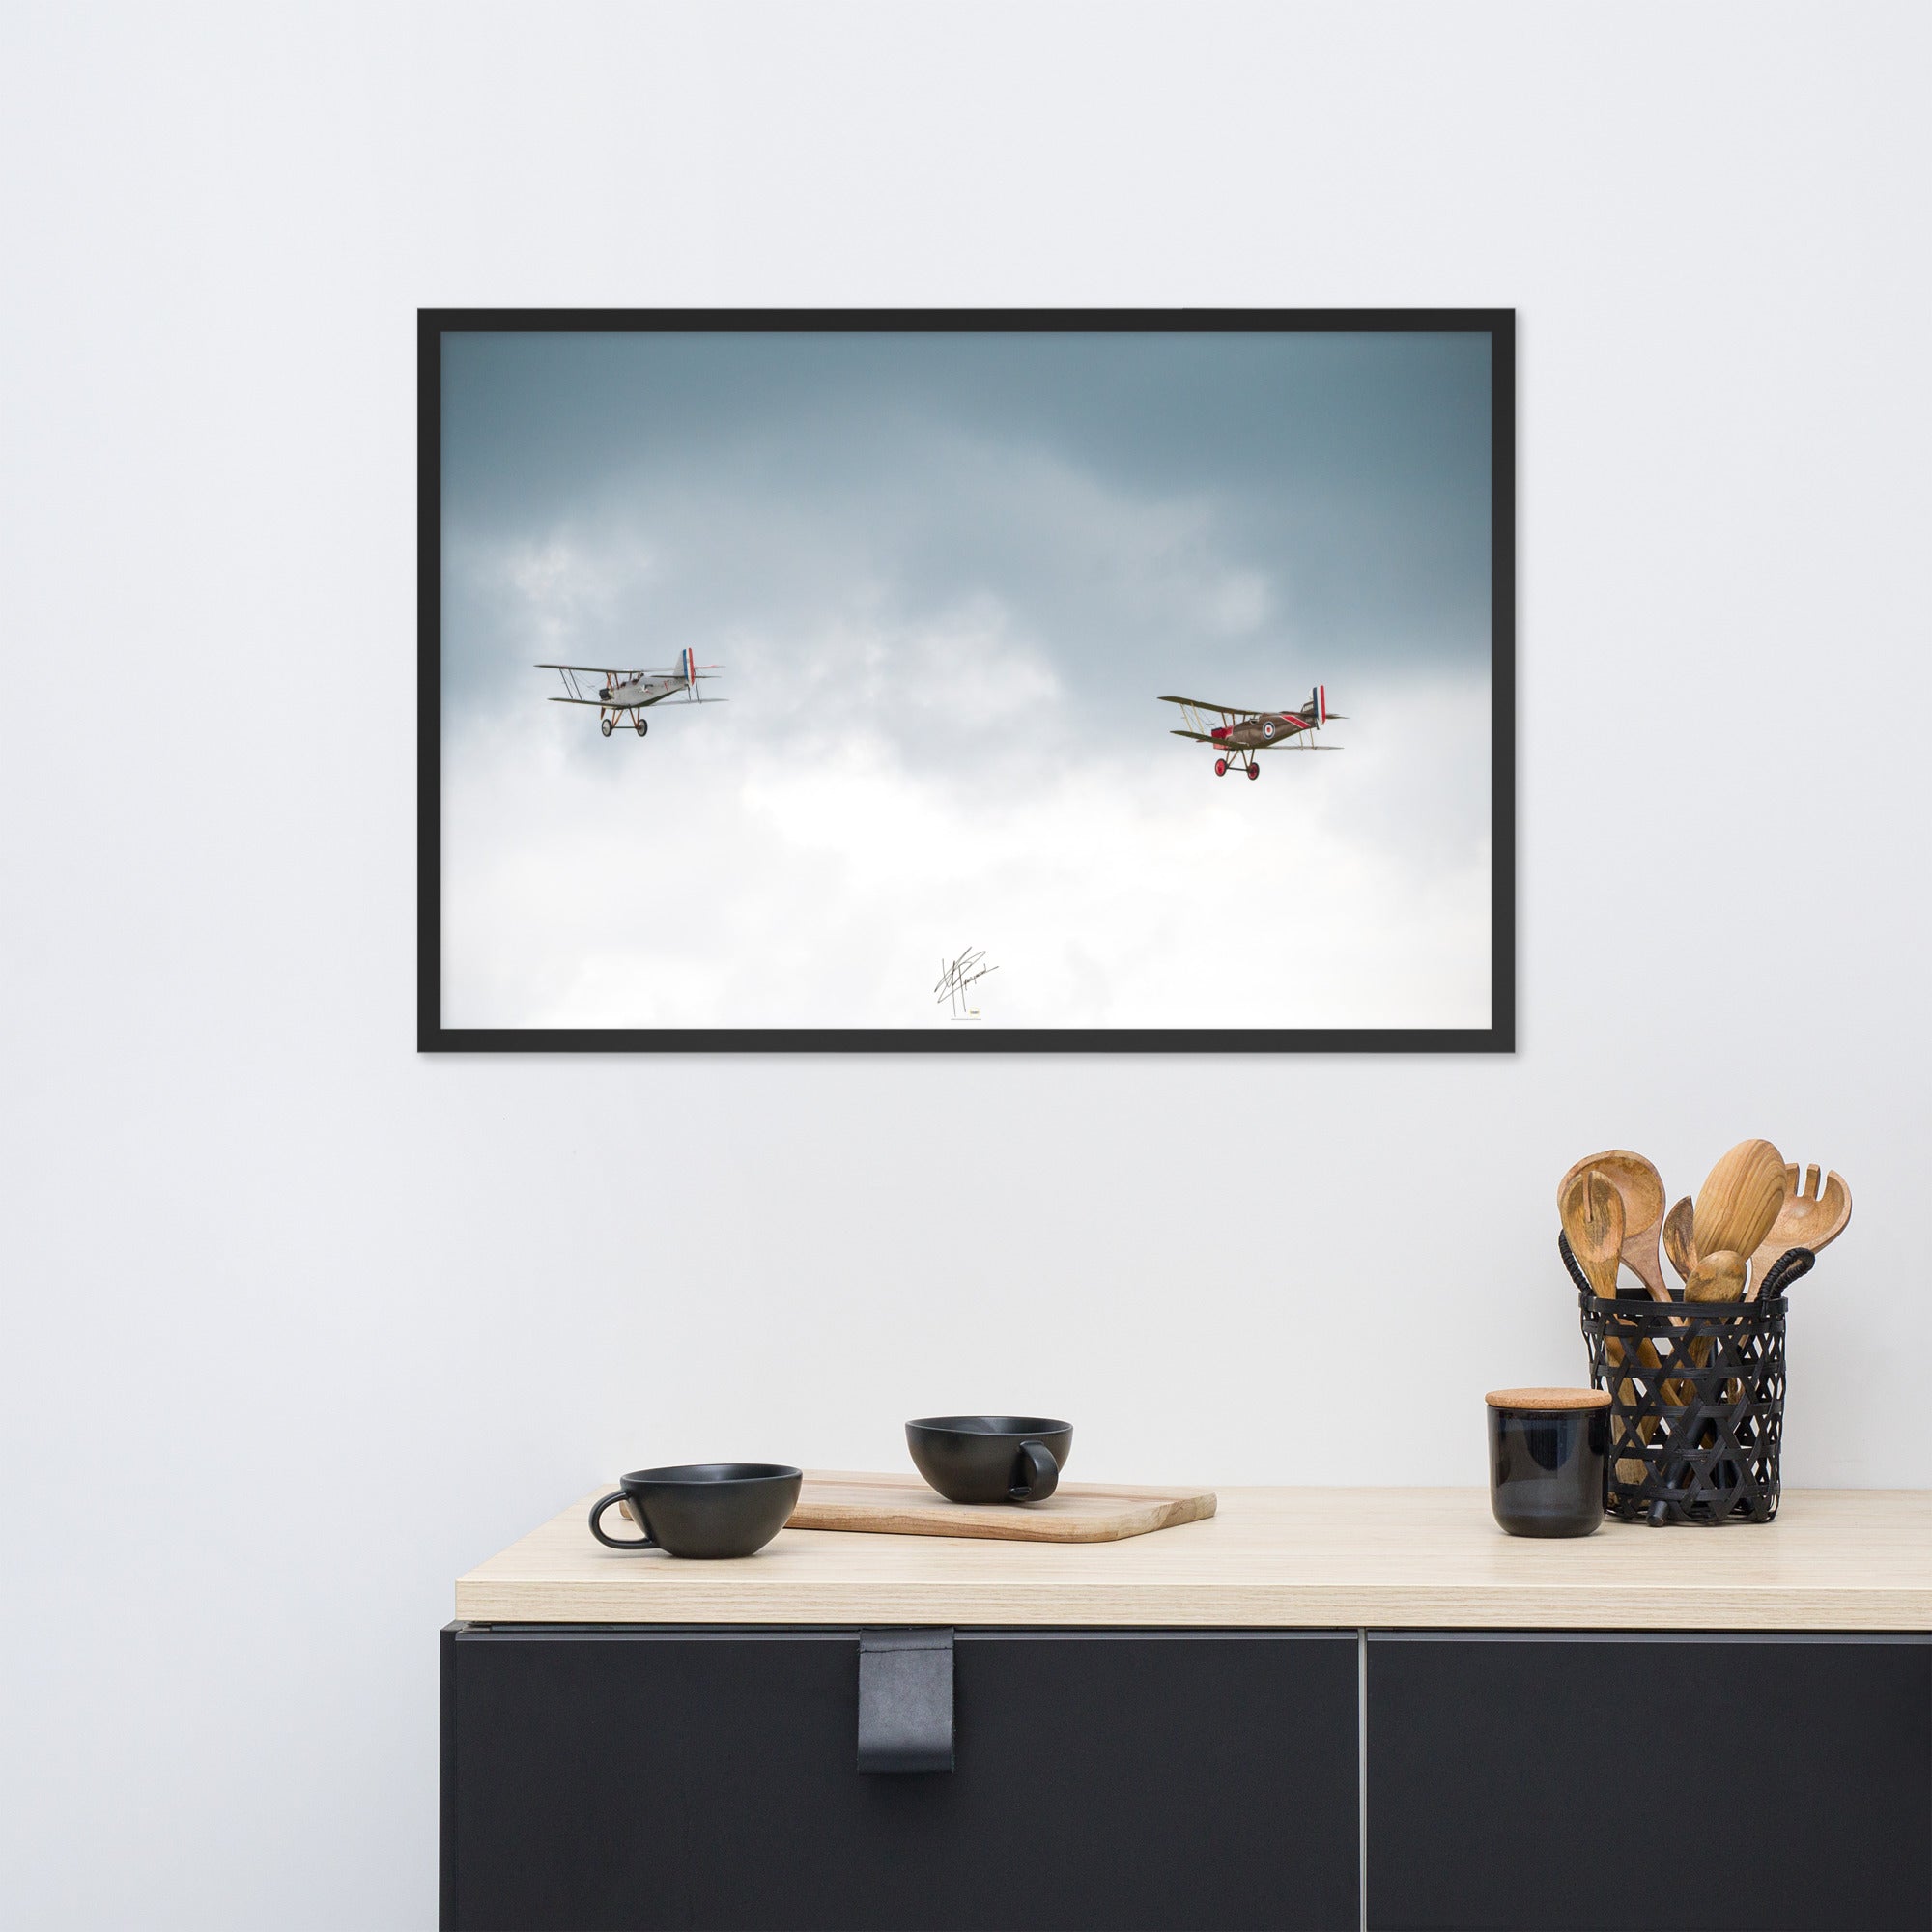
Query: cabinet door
point(602, 1778)
point(1618, 1781)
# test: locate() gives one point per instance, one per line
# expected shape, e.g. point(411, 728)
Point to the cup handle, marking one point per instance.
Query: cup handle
point(1040, 1477)
point(597, 1510)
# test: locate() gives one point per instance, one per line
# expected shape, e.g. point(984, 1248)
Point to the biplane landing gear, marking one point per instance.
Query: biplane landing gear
point(604, 726)
point(644, 725)
point(1220, 768)
point(1254, 771)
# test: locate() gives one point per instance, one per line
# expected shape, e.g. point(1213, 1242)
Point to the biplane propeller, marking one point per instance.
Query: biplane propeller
point(634, 691)
point(1242, 735)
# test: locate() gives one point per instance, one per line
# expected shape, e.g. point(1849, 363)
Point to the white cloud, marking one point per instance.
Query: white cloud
point(711, 875)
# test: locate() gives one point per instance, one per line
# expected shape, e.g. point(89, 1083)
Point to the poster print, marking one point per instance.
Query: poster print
point(966, 681)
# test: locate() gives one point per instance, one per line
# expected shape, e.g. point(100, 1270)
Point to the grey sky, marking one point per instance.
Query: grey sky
point(964, 565)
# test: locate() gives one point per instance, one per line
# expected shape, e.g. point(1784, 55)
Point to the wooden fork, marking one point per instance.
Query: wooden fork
point(1810, 1216)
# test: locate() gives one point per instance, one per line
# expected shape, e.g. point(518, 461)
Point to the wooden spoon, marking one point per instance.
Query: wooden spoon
point(1641, 1187)
point(1738, 1200)
point(1809, 1217)
point(1717, 1277)
point(1680, 1241)
point(1593, 1218)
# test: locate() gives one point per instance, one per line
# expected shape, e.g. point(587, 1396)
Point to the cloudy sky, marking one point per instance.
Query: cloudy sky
point(947, 577)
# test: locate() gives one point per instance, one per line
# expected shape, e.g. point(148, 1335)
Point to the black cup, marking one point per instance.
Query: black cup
point(990, 1459)
point(1549, 1460)
point(703, 1509)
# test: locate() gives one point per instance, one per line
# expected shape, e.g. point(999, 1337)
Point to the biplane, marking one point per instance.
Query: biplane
point(632, 691)
point(1241, 735)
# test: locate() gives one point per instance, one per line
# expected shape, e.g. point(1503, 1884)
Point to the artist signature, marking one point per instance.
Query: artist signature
point(956, 975)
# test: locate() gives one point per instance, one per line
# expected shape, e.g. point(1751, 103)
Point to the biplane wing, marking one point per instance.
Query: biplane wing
point(604, 671)
point(599, 704)
point(1202, 705)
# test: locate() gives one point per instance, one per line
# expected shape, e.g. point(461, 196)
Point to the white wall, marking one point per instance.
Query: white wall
point(298, 1326)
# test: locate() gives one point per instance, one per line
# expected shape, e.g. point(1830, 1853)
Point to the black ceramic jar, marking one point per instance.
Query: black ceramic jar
point(1548, 1459)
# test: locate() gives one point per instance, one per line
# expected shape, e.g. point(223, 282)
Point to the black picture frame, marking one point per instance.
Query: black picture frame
point(1498, 1037)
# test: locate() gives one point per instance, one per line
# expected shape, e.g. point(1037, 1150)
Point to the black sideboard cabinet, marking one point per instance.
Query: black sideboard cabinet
point(597, 1777)
point(1568, 1781)
point(632, 1778)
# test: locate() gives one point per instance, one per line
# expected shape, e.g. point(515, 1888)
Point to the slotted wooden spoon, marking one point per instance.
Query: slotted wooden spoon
point(1641, 1188)
point(1592, 1211)
point(1593, 1218)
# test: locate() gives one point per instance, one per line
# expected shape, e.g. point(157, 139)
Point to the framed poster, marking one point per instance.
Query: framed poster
point(1071, 680)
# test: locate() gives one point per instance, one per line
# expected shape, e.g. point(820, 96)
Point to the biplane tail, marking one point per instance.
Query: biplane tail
point(694, 675)
point(1317, 705)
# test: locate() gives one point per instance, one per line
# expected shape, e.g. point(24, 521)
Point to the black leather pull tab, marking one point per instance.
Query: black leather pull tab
point(906, 1700)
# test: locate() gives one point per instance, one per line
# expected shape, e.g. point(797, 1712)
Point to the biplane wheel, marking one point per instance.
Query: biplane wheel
point(644, 725)
point(1220, 768)
point(1254, 771)
point(604, 726)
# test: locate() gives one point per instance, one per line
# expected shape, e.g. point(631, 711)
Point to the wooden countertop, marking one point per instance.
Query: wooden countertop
point(1835, 1559)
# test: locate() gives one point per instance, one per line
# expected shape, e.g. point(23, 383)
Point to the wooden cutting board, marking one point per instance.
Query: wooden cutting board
point(1076, 1512)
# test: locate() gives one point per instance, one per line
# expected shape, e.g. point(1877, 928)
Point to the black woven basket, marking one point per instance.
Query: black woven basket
point(1697, 1399)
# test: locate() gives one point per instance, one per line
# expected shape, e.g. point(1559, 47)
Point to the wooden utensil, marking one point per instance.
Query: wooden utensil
point(1738, 1200)
point(1807, 1217)
point(1680, 1241)
point(1641, 1187)
point(1593, 1218)
point(1593, 1223)
point(1717, 1277)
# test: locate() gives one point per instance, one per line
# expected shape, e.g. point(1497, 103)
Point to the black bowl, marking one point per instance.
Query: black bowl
point(703, 1509)
point(990, 1459)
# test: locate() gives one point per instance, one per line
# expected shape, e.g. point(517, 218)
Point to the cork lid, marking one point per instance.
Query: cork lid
point(1547, 1400)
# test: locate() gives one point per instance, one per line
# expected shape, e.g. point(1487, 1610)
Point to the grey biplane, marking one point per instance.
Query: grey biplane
point(632, 691)
point(1241, 735)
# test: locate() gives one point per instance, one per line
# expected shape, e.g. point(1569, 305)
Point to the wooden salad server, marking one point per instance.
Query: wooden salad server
point(1593, 1218)
point(1807, 1217)
point(1641, 1187)
point(1591, 1211)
